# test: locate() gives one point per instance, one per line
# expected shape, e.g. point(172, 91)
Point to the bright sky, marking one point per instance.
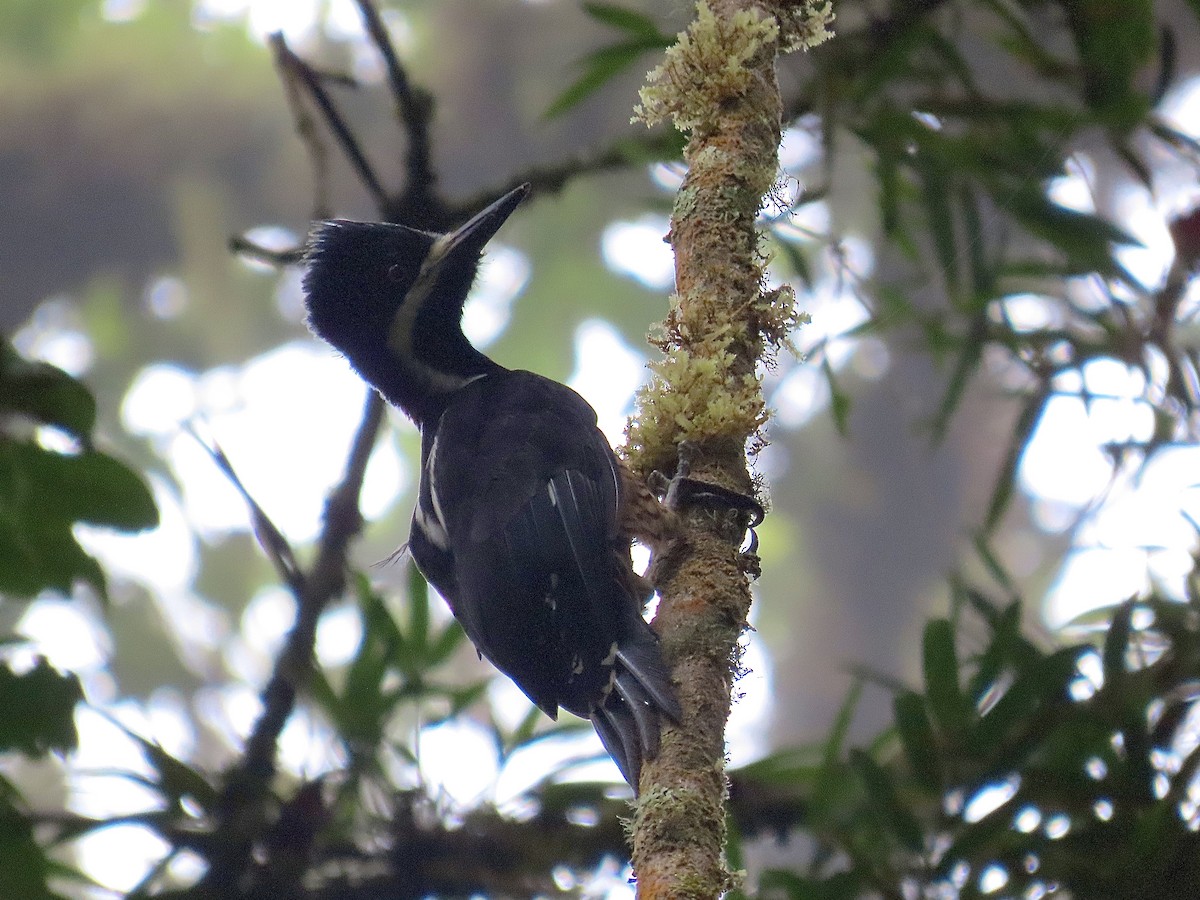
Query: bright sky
point(303, 395)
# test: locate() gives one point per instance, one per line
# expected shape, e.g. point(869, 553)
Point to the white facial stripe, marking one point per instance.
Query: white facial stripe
point(400, 334)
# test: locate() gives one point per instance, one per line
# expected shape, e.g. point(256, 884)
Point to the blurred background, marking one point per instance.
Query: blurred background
point(138, 138)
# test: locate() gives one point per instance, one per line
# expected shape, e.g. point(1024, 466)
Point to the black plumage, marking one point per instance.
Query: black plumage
point(518, 519)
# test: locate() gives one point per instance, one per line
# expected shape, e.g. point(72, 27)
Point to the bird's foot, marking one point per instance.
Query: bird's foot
point(683, 491)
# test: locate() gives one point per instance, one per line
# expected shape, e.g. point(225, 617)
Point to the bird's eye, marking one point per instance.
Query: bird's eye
point(395, 273)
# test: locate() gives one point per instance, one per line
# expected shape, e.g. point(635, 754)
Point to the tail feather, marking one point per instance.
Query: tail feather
point(645, 716)
point(614, 725)
point(645, 663)
point(629, 719)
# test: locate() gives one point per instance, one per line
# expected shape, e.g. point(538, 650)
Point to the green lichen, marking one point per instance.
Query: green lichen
point(777, 317)
point(804, 24)
point(692, 398)
point(706, 67)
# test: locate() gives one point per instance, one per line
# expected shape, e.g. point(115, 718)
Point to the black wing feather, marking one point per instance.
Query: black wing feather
point(540, 573)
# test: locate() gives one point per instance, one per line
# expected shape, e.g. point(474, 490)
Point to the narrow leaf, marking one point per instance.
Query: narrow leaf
point(628, 20)
point(940, 662)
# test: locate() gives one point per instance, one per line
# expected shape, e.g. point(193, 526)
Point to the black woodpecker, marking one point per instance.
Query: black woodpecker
point(518, 522)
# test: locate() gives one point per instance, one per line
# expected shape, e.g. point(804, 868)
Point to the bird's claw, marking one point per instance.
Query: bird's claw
point(682, 491)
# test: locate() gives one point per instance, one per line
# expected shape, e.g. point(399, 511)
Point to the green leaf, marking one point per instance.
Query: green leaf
point(1012, 718)
point(1084, 239)
point(37, 554)
point(992, 563)
point(970, 357)
point(839, 401)
point(39, 710)
point(940, 660)
point(918, 741)
point(418, 607)
point(45, 393)
point(175, 778)
point(883, 798)
point(936, 190)
point(1116, 643)
point(628, 20)
point(24, 866)
point(86, 487)
point(1030, 415)
point(1114, 41)
point(835, 743)
point(599, 68)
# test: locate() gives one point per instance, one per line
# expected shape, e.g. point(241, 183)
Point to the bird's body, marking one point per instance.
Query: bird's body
point(519, 515)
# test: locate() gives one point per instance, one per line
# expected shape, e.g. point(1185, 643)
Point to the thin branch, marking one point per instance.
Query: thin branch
point(306, 127)
point(241, 245)
point(293, 67)
point(413, 105)
point(242, 809)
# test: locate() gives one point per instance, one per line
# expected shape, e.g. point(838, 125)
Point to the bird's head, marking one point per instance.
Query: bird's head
point(391, 298)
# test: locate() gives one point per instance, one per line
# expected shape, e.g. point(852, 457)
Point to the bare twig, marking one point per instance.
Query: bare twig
point(242, 811)
point(243, 246)
point(294, 68)
point(414, 106)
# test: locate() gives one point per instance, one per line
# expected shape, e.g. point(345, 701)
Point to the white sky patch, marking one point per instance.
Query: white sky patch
point(637, 250)
point(502, 276)
point(608, 371)
point(163, 559)
point(668, 175)
point(295, 18)
point(1142, 533)
point(458, 758)
point(120, 856)
point(161, 397)
point(1027, 312)
point(1137, 214)
point(267, 619)
point(55, 334)
point(67, 633)
point(306, 746)
point(1064, 461)
point(803, 391)
point(992, 878)
point(339, 633)
point(285, 420)
point(799, 396)
point(299, 19)
point(230, 710)
point(800, 148)
point(1073, 190)
point(105, 748)
point(165, 297)
point(990, 798)
point(747, 731)
point(117, 11)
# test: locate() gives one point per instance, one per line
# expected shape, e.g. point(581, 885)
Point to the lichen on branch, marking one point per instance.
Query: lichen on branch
point(717, 83)
point(707, 65)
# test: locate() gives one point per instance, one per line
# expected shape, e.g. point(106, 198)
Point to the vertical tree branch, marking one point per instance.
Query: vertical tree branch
point(717, 84)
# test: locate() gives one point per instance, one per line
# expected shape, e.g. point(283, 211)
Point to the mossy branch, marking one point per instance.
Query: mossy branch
point(718, 85)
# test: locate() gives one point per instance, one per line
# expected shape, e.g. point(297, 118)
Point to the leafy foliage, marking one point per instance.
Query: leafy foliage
point(642, 36)
point(1031, 767)
point(44, 492)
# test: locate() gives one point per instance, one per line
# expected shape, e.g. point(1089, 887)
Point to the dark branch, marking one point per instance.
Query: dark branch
point(414, 106)
point(293, 67)
point(242, 809)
